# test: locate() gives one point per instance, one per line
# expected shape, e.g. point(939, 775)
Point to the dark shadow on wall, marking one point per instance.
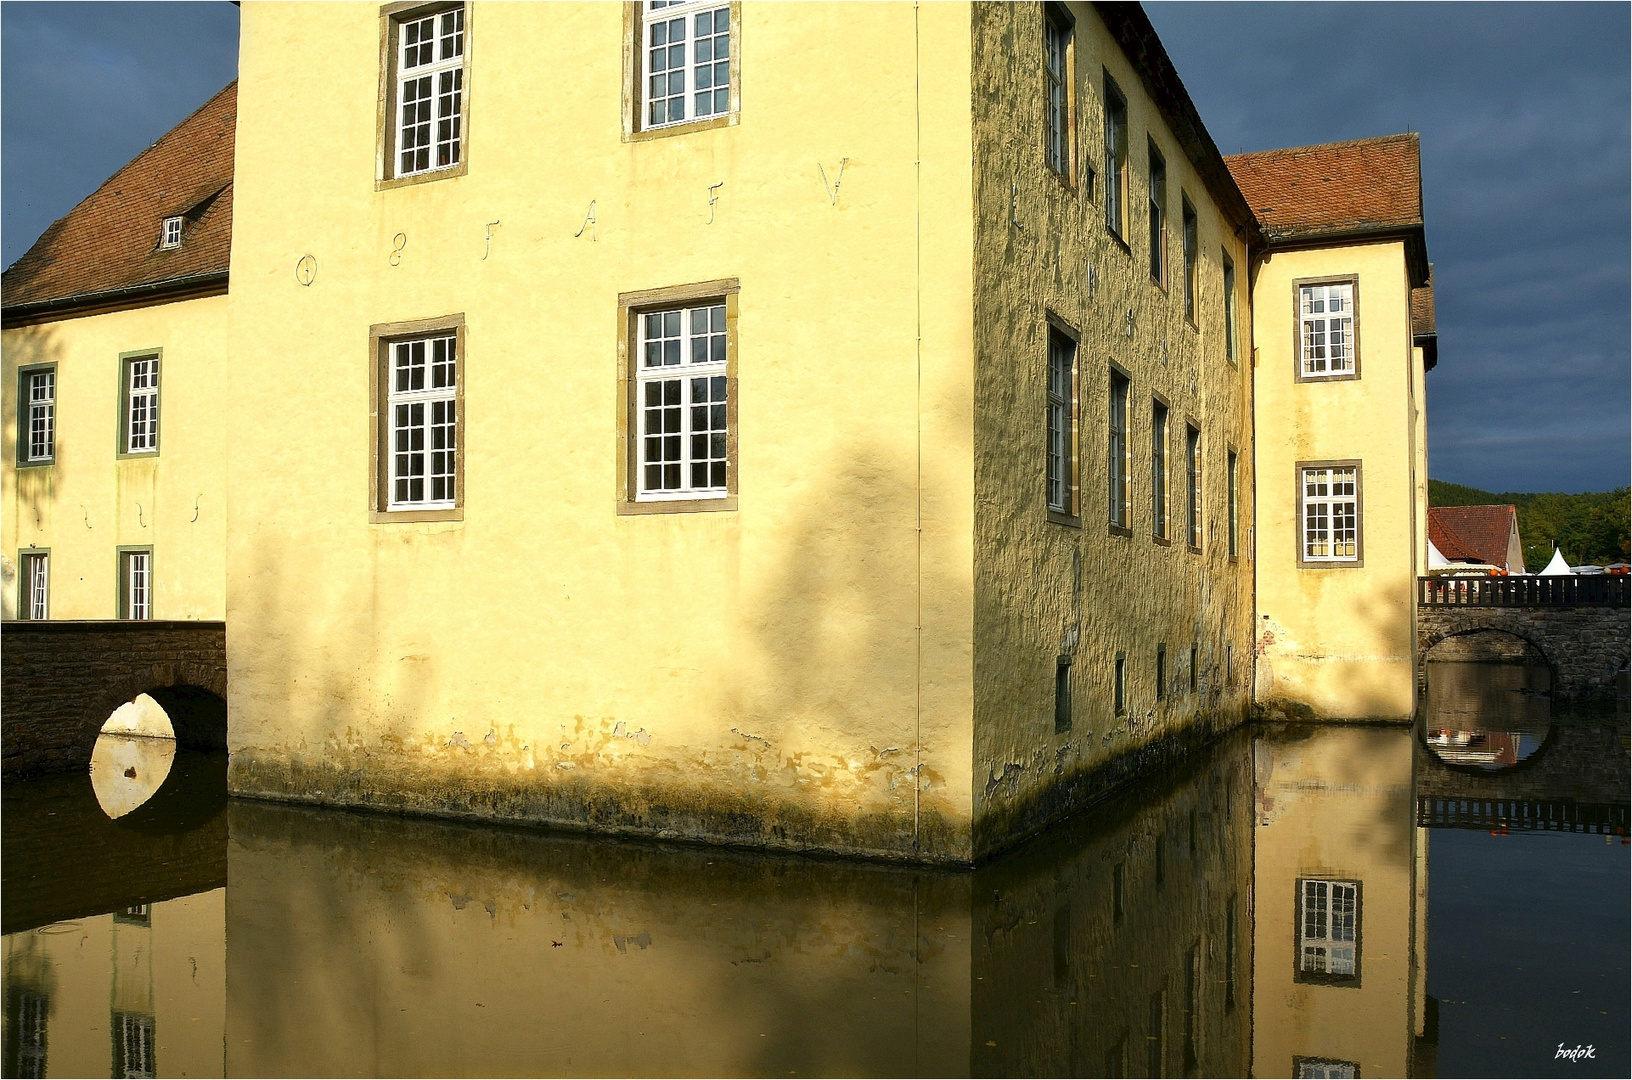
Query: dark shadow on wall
point(198, 717)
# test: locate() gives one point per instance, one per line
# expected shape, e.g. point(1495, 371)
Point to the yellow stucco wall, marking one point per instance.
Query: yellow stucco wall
point(1036, 240)
point(1336, 803)
point(1338, 642)
point(757, 675)
point(91, 501)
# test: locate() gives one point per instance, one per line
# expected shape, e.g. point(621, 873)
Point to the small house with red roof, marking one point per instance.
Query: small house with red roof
point(1486, 535)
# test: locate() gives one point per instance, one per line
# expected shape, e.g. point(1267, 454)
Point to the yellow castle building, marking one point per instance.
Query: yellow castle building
point(884, 456)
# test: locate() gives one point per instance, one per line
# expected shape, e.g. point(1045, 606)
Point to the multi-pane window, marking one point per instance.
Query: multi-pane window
point(36, 582)
point(687, 61)
point(1057, 46)
point(1193, 503)
point(430, 91)
point(1326, 329)
point(1158, 469)
point(1328, 929)
point(1062, 695)
point(1188, 1020)
point(1119, 450)
point(1062, 406)
point(1230, 344)
point(1234, 481)
point(424, 438)
point(170, 233)
point(133, 1045)
point(1158, 214)
point(1191, 252)
point(142, 405)
point(40, 419)
point(28, 1014)
point(1331, 513)
point(1116, 159)
point(681, 387)
point(1156, 1037)
point(1305, 1068)
point(135, 584)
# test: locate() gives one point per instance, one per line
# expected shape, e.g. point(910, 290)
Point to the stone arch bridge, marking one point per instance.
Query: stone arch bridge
point(64, 678)
point(1581, 626)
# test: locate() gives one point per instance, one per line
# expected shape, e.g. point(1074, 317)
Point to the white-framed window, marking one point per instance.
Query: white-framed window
point(1158, 213)
point(1119, 450)
point(36, 582)
point(40, 421)
point(1192, 252)
point(424, 435)
point(170, 233)
point(1331, 513)
point(1062, 423)
point(141, 405)
point(1328, 930)
point(1158, 469)
point(133, 1045)
point(687, 61)
point(1305, 1068)
point(681, 394)
point(430, 91)
point(136, 584)
point(1193, 502)
point(1326, 329)
point(1116, 159)
point(1057, 32)
point(1234, 495)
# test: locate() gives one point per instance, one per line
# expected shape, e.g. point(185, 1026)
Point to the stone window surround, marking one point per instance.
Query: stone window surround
point(381, 336)
point(392, 16)
point(631, 305)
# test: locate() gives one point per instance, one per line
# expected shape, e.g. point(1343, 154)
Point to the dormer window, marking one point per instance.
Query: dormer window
point(170, 235)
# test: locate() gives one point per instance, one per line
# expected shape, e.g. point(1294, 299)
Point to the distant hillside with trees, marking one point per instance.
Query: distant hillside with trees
point(1589, 528)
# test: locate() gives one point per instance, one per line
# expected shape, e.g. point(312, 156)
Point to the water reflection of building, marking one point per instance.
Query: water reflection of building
point(145, 984)
point(1339, 880)
point(1118, 947)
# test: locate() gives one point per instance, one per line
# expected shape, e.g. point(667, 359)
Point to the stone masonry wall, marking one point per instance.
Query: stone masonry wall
point(62, 679)
point(1586, 646)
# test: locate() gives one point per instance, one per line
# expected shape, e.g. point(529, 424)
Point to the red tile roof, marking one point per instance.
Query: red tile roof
point(1479, 533)
point(107, 246)
point(1422, 308)
point(1343, 187)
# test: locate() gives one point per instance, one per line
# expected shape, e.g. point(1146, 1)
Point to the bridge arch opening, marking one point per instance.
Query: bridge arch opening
point(1488, 706)
point(157, 742)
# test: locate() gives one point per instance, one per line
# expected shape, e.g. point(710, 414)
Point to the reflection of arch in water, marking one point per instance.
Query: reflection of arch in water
point(1544, 740)
point(1488, 704)
point(1483, 644)
point(136, 750)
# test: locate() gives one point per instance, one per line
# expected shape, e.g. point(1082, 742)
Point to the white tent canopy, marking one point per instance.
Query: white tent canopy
point(1435, 559)
point(1557, 567)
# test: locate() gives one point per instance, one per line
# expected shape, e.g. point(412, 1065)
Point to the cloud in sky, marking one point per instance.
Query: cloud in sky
point(1524, 113)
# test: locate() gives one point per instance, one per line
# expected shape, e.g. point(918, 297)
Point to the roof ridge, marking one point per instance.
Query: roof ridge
point(1411, 136)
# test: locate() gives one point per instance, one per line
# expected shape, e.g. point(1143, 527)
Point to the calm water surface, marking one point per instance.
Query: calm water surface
point(1333, 901)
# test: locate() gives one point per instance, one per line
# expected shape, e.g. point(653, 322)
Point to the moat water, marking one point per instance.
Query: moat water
point(1318, 901)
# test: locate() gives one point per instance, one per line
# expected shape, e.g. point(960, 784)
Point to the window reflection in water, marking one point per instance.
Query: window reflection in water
point(1261, 909)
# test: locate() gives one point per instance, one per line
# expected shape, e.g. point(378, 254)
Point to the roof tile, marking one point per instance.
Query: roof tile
point(110, 240)
point(1334, 187)
point(1472, 532)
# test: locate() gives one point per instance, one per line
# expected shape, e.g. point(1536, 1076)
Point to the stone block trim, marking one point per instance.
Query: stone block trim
point(63, 679)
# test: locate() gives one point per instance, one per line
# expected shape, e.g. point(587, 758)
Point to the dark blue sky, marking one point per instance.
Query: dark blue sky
point(1524, 112)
